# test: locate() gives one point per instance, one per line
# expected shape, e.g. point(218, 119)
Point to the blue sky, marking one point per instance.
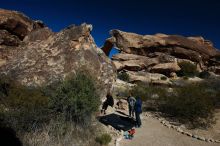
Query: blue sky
point(188, 17)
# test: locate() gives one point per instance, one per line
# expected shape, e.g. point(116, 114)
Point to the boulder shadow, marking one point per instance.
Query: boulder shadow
point(117, 121)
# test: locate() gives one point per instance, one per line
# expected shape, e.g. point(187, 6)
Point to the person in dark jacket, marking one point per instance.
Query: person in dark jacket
point(131, 103)
point(138, 111)
point(108, 102)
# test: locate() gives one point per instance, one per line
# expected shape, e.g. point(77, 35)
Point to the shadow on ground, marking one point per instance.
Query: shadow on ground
point(119, 122)
point(8, 137)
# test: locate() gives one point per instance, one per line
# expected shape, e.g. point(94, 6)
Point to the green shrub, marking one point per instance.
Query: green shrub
point(185, 78)
point(145, 92)
point(163, 78)
point(191, 104)
point(187, 69)
point(204, 75)
point(104, 139)
point(56, 109)
point(123, 76)
point(24, 108)
point(76, 98)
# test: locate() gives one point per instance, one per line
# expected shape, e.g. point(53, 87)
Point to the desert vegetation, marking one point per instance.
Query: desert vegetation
point(103, 139)
point(58, 114)
point(187, 69)
point(193, 104)
point(123, 76)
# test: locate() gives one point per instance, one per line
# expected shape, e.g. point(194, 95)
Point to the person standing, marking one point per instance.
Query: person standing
point(108, 102)
point(138, 111)
point(131, 103)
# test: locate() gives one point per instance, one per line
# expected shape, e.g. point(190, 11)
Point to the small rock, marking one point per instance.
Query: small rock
point(169, 126)
point(182, 126)
point(195, 136)
point(201, 138)
point(179, 130)
point(160, 119)
point(122, 132)
point(188, 134)
point(217, 141)
point(175, 127)
point(109, 126)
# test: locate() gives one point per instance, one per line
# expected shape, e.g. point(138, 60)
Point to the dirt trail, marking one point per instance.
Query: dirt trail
point(153, 133)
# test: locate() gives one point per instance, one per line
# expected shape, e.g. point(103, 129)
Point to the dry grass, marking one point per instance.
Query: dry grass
point(57, 134)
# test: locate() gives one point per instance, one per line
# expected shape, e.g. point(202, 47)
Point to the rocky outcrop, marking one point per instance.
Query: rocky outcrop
point(165, 68)
point(150, 78)
point(17, 24)
point(122, 88)
point(34, 55)
point(161, 53)
point(172, 44)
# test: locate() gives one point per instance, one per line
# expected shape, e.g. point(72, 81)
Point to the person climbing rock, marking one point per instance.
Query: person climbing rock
point(131, 103)
point(108, 102)
point(138, 111)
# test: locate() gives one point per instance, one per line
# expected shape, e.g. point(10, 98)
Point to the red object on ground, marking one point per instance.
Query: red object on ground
point(131, 132)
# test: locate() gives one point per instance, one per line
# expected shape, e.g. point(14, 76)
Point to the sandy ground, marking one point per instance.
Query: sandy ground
point(153, 133)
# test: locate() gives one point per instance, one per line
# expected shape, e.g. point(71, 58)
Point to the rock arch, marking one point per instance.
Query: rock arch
point(108, 45)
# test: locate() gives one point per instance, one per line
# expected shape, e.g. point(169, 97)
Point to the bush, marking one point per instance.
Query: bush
point(55, 110)
point(204, 75)
point(146, 92)
point(187, 69)
point(123, 76)
point(104, 139)
point(76, 98)
point(185, 78)
point(61, 133)
point(24, 108)
point(191, 104)
point(163, 78)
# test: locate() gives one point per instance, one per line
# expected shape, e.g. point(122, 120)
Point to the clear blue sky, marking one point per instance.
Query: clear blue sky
point(184, 17)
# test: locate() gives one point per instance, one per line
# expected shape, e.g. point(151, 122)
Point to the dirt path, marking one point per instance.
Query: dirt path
point(153, 133)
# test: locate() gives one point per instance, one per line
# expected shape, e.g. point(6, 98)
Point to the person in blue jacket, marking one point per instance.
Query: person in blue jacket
point(138, 111)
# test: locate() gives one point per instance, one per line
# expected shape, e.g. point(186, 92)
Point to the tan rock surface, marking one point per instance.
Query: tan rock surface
point(41, 56)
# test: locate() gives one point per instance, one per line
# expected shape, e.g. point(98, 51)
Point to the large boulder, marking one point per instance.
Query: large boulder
point(173, 44)
point(150, 78)
point(17, 23)
point(135, 65)
point(165, 68)
point(126, 57)
point(159, 53)
point(44, 57)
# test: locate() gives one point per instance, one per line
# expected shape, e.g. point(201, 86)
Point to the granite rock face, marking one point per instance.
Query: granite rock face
point(34, 55)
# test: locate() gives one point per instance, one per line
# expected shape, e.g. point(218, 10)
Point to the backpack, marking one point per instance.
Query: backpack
point(132, 101)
